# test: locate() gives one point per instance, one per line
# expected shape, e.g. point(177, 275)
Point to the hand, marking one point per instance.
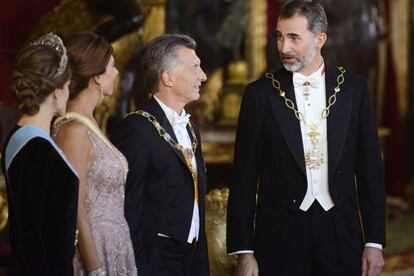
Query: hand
point(247, 265)
point(372, 261)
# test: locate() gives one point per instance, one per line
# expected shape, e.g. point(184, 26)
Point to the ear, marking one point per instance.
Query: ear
point(97, 79)
point(56, 94)
point(167, 78)
point(321, 39)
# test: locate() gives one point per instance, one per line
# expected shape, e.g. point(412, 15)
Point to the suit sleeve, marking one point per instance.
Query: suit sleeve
point(247, 157)
point(370, 174)
point(128, 138)
point(29, 178)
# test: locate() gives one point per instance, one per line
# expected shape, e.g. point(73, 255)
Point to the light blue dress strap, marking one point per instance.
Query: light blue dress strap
point(22, 136)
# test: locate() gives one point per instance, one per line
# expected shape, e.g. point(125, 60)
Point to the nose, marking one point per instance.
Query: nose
point(203, 76)
point(283, 46)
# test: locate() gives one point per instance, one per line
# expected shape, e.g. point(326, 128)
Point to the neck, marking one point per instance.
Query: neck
point(84, 103)
point(42, 119)
point(170, 102)
point(313, 66)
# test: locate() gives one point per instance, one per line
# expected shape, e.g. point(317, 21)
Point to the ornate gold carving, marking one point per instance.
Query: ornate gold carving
point(206, 107)
point(4, 208)
point(256, 38)
point(233, 92)
point(221, 264)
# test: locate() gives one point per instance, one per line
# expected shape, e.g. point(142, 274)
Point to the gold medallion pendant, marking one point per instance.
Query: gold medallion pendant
point(314, 158)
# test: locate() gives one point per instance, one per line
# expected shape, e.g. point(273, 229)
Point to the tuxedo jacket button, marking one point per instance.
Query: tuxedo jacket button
point(294, 201)
point(339, 172)
point(336, 196)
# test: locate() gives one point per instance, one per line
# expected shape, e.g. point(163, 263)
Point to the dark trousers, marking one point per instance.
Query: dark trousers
point(312, 243)
point(170, 258)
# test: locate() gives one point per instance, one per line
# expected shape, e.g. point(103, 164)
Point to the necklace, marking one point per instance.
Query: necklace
point(314, 158)
point(188, 153)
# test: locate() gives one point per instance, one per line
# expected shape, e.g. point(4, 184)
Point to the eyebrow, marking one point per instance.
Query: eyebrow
point(288, 34)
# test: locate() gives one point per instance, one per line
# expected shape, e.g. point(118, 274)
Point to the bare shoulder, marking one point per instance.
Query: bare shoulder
point(72, 128)
point(72, 132)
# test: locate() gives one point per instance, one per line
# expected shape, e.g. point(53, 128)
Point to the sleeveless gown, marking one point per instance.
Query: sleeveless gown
point(105, 205)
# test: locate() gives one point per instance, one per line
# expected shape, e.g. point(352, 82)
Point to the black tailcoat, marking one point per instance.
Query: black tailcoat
point(159, 195)
point(269, 159)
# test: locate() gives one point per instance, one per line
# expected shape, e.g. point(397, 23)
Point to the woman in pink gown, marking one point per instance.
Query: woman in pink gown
point(104, 242)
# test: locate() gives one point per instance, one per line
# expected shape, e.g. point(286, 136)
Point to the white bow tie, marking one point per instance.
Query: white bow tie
point(300, 80)
point(180, 121)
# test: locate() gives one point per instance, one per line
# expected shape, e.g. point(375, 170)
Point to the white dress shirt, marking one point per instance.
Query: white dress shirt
point(184, 140)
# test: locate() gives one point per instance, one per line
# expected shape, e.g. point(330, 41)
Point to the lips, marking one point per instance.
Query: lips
point(288, 58)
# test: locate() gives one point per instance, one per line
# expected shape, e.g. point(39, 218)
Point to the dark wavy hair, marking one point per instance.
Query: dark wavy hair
point(88, 54)
point(35, 77)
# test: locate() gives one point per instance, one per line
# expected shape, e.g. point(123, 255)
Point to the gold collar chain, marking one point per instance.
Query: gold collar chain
point(290, 104)
point(314, 158)
point(188, 153)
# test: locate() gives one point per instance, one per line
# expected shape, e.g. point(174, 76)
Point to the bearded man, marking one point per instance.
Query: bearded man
point(307, 144)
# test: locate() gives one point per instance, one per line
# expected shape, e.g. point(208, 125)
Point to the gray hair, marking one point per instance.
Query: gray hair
point(312, 10)
point(160, 55)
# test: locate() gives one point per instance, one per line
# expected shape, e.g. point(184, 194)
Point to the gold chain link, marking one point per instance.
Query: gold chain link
point(188, 154)
point(291, 105)
point(167, 137)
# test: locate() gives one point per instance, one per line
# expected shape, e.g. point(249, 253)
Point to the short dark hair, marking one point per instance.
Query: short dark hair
point(88, 54)
point(160, 55)
point(312, 10)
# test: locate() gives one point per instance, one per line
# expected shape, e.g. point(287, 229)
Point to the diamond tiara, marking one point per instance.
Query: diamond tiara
point(54, 41)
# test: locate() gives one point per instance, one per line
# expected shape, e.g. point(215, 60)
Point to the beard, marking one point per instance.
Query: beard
point(300, 63)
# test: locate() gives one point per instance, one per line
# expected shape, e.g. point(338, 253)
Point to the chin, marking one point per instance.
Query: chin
point(196, 97)
point(291, 67)
point(108, 93)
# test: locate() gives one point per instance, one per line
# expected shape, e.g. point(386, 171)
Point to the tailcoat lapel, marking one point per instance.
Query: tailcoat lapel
point(155, 109)
point(289, 125)
point(339, 116)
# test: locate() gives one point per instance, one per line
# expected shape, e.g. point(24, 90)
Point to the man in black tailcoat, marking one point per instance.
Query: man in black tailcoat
point(307, 144)
point(166, 184)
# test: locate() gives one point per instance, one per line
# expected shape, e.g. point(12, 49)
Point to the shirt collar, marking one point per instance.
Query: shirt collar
point(319, 74)
point(170, 113)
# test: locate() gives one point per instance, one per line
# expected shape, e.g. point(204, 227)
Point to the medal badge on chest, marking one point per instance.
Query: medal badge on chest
point(314, 158)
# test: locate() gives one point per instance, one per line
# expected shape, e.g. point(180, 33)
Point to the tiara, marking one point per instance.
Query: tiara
point(54, 41)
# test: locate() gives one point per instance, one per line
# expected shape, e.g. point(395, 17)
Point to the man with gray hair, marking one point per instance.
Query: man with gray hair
point(307, 143)
point(166, 184)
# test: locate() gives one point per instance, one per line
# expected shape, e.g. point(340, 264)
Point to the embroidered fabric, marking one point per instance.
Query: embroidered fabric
point(105, 208)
